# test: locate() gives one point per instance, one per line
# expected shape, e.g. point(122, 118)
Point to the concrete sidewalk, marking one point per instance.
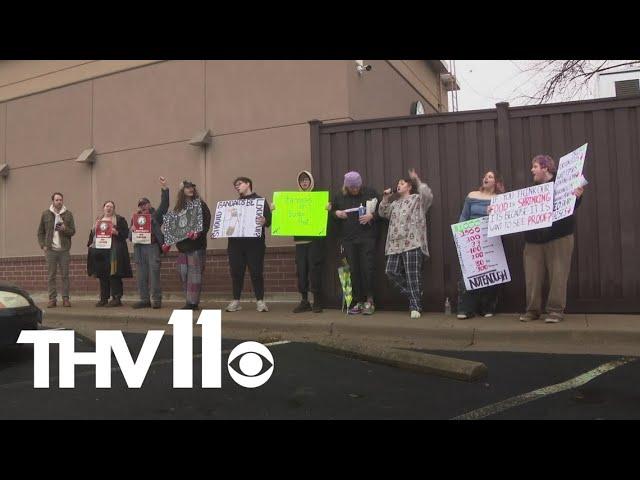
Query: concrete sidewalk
point(597, 334)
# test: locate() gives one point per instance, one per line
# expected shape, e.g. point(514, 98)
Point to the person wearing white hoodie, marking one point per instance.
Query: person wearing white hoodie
point(54, 236)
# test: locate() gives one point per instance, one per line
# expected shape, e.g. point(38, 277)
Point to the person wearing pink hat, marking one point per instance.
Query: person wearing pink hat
point(356, 209)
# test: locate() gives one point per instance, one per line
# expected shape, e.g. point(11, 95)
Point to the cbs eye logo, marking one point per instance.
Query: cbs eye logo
point(250, 364)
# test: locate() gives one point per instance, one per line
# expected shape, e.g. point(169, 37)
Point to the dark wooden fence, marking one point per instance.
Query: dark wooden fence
point(452, 151)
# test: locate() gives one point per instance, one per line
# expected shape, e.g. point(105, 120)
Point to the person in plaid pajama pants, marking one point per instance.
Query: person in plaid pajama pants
point(406, 245)
point(405, 271)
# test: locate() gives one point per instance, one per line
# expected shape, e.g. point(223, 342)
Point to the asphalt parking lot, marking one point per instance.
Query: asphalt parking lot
point(309, 383)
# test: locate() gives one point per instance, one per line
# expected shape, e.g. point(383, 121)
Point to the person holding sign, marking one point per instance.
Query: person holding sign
point(406, 245)
point(248, 252)
point(108, 257)
point(310, 255)
point(193, 249)
point(356, 208)
point(548, 250)
point(147, 247)
point(482, 300)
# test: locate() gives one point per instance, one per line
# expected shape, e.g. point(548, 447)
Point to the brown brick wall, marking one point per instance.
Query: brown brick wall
point(30, 273)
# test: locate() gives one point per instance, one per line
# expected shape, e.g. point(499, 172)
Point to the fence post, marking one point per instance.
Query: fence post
point(504, 140)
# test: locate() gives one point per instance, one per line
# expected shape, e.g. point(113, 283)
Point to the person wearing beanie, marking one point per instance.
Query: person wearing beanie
point(248, 252)
point(548, 250)
point(193, 250)
point(147, 257)
point(356, 209)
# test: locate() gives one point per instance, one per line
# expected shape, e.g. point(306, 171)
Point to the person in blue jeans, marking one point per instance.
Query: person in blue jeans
point(483, 300)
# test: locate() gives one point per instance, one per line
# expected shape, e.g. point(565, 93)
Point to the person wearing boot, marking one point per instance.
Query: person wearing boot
point(54, 236)
point(310, 255)
point(110, 265)
point(147, 256)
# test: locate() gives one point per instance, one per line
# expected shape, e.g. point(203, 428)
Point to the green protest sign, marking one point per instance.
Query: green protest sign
point(300, 213)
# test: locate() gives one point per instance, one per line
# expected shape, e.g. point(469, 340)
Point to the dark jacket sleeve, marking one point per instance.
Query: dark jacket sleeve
point(123, 228)
point(336, 204)
point(42, 233)
point(206, 218)
point(578, 202)
point(69, 227)
point(267, 213)
point(90, 241)
point(164, 206)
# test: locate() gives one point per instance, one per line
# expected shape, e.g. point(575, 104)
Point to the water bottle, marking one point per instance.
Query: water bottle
point(447, 307)
point(361, 211)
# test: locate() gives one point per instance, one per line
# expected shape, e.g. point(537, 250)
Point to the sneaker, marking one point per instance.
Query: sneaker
point(234, 306)
point(303, 306)
point(102, 303)
point(317, 307)
point(415, 314)
point(529, 317)
point(66, 302)
point(356, 310)
point(553, 318)
point(156, 305)
point(261, 306)
point(463, 316)
point(488, 315)
point(141, 304)
point(369, 308)
point(52, 304)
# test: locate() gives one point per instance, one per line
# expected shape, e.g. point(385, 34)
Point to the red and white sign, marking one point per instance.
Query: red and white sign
point(104, 230)
point(141, 228)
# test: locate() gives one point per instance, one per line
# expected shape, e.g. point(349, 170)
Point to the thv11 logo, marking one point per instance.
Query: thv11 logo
point(253, 359)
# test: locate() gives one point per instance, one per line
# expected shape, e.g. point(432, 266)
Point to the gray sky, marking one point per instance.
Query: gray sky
point(483, 83)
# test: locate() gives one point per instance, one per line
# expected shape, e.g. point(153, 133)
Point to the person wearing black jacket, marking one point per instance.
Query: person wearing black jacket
point(147, 256)
point(248, 252)
point(193, 250)
point(548, 250)
point(356, 208)
point(110, 265)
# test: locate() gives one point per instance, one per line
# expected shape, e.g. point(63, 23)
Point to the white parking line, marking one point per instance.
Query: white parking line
point(543, 392)
point(92, 372)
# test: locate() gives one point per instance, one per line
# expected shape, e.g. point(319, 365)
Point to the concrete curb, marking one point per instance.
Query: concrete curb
point(419, 362)
point(446, 335)
point(265, 323)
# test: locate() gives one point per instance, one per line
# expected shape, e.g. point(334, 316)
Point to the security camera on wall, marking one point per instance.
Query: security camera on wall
point(361, 67)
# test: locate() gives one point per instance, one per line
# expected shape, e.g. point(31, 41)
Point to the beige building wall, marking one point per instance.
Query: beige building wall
point(141, 118)
point(25, 77)
point(387, 90)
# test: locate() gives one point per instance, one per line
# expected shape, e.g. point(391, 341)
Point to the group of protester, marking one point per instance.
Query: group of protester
point(357, 210)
